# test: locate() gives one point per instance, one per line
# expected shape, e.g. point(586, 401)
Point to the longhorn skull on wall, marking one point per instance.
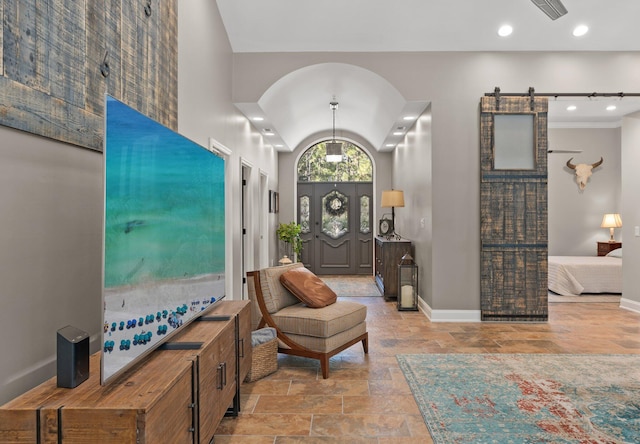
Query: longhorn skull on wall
point(583, 171)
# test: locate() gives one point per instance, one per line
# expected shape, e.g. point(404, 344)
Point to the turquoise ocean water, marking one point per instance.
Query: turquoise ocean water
point(164, 203)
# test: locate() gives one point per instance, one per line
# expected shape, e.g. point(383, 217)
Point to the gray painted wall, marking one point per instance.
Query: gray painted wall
point(50, 252)
point(51, 208)
point(412, 174)
point(630, 211)
point(51, 193)
point(205, 110)
point(575, 215)
point(453, 83)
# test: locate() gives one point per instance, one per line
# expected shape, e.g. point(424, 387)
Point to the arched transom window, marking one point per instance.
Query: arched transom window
point(355, 166)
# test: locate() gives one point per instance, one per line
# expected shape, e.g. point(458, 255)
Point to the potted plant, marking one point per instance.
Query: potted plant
point(290, 235)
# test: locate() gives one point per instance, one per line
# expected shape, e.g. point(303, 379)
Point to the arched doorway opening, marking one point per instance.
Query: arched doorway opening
point(335, 210)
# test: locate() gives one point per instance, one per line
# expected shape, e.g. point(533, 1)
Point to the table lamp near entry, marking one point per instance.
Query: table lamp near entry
point(611, 221)
point(392, 199)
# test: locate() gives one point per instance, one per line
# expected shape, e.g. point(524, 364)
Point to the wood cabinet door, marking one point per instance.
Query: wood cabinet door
point(216, 380)
point(513, 209)
point(244, 342)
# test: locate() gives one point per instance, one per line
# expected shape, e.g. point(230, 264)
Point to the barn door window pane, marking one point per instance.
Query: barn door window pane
point(514, 142)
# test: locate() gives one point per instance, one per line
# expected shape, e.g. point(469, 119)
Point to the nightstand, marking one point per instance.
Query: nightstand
point(605, 247)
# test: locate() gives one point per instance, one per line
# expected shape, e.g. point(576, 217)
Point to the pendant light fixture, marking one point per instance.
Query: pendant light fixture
point(334, 149)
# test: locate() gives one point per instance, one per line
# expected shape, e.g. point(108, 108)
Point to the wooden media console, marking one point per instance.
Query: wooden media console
point(179, 394)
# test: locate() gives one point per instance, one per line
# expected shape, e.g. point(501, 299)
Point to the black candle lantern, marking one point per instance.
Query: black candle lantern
point(407, 284)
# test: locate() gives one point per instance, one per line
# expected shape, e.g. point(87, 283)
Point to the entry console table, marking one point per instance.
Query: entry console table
point(178, 394)
point(388, 255)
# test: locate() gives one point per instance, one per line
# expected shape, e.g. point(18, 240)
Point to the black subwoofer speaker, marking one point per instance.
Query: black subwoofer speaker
point(72, 356)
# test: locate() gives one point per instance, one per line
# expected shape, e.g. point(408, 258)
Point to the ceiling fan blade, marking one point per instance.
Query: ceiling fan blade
point(564, 151)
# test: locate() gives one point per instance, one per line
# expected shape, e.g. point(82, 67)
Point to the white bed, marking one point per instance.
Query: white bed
point(574, 275)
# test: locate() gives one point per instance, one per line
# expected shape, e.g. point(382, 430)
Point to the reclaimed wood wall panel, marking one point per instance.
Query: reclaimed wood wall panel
point(1, 38)
point(166, 65)
point(52, 51)
point(65, 49)
point(103, 18)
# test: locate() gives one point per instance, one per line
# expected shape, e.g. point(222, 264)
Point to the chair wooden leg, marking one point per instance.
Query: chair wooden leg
point(324, 364)
point(365, 344)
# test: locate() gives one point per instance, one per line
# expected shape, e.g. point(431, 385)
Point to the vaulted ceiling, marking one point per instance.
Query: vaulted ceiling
point(297, 106)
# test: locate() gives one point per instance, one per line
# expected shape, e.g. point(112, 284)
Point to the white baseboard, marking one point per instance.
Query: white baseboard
point(448, 315)
point(628, 304)
point(475, 315)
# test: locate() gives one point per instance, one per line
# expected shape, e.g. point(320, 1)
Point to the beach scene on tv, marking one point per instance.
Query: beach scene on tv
point(164, 245)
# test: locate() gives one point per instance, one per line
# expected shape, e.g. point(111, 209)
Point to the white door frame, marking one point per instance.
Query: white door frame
point(229, 222)
point(262, 256)
point(247, 219)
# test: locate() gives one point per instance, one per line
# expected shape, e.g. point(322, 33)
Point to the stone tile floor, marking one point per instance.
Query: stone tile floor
point(366, 398)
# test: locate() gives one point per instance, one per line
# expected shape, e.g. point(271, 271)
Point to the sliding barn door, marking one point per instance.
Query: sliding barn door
point(513, 209)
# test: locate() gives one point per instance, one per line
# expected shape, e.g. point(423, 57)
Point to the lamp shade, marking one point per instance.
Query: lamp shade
point(334, 152)
point(392, 198)
point(611, 220)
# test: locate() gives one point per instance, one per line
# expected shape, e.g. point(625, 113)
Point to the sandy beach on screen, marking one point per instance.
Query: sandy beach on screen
point(122, 304)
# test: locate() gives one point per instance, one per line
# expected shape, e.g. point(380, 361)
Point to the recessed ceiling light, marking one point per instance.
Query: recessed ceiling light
point(389, 145)
point(572, 108)
point(505, 30)
point(408, 118)
point(580, 30)
point(279, 145)
point(397, 133)
point(268, 132)
point(258, 119)
point(611, 107)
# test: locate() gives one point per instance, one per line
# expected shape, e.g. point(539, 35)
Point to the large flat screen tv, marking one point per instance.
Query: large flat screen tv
point(163, 245)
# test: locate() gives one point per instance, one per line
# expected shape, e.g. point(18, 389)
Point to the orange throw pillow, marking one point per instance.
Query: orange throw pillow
point(308, 287)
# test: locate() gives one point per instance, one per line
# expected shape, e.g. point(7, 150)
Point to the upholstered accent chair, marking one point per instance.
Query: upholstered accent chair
point(317, 333)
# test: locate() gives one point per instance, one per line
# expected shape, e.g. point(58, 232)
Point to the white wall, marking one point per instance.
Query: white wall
point(575, 215)
point(630, 212)
point(454, 83)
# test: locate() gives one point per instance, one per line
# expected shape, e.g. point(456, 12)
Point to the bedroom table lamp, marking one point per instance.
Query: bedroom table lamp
point(611, 221)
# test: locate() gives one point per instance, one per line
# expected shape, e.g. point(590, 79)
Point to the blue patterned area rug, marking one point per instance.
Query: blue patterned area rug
point(527, 398)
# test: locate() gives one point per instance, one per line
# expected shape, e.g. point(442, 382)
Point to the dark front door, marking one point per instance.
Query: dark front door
point(336, 227)
point(513, 209)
